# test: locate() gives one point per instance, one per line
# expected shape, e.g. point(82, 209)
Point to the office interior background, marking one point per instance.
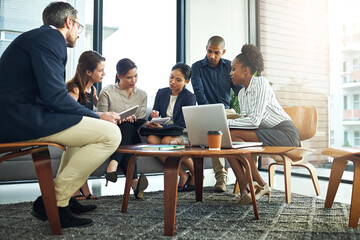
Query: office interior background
point(311, 49)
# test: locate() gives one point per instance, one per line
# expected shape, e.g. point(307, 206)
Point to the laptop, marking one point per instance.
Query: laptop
point(212, 117)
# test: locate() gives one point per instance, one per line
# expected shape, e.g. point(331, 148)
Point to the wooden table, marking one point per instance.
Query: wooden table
point(171, 172)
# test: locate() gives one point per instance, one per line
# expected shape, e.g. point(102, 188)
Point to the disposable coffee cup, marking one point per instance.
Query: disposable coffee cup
point(214, 140)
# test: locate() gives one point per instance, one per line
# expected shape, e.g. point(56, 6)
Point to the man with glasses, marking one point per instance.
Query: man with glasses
point(35, 106)
point(80, 27)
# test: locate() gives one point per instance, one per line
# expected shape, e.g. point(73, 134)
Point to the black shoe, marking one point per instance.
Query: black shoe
point(76, 207)
point(183, 188)
point(110, 176)
point(67, 219)
point(189, 188)
point(141, 186)
point(38, 209)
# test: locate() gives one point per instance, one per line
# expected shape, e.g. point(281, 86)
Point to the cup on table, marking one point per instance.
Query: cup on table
point(214, 140)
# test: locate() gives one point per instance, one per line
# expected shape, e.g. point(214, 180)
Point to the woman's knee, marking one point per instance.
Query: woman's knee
point(152, 139)
point(166, 140)
point(172, 140)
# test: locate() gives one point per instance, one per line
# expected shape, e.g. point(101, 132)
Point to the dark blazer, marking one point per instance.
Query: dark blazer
point(162, 99)
point(34, 102)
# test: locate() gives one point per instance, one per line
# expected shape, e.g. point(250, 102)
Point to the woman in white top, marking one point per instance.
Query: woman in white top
point(259, 108)
point(168, 103)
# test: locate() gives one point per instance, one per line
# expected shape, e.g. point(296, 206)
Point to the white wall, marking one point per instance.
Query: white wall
point(206, 18)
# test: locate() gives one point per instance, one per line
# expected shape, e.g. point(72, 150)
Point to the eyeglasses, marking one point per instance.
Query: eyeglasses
point(80, 28)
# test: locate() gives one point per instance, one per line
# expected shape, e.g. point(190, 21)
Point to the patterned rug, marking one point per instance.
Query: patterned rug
point(217, 217)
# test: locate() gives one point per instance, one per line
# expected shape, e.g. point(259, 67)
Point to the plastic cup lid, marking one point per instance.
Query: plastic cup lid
point(214, 133)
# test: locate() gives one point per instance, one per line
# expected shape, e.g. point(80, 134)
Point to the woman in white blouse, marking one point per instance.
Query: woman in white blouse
point(168, 103)
point(259, 108)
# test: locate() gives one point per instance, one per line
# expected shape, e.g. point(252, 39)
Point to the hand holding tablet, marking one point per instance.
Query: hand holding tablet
point(161, 121)
point(128, 112)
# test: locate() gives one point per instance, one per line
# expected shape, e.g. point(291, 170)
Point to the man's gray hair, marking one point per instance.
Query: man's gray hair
point(56, 13)
point(216, 41)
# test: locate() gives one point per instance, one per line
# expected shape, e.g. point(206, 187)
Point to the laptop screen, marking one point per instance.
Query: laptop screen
point(203, 118)
point(212, 117)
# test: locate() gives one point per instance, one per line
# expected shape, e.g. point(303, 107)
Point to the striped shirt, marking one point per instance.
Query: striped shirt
point(259, 107)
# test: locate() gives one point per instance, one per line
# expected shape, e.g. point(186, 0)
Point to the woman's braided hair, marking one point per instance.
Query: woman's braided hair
point(251, 57)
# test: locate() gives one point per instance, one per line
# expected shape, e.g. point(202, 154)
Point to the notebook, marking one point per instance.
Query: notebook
point(212, 117)
point(162, 147)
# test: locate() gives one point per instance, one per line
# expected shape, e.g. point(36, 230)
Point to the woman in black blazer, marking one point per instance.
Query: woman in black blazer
point(168, 103)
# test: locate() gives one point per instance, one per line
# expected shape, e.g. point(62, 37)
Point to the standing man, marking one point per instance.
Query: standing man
point(36, 107)
point(212, 84)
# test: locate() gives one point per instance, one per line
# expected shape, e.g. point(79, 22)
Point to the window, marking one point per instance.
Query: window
point(356, 101)
point(345, 102)
point(8, 35)
point(356, 65)
point(346, 139)
point(332, 138)
point(356, 138)
point(344, 32)
point(28, 15)
point(145, 32)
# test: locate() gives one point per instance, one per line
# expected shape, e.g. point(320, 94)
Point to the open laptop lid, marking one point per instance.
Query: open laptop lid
point(212, 117)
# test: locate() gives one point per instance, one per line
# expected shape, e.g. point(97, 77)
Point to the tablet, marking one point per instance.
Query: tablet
point(128, 112)
point(161, 121)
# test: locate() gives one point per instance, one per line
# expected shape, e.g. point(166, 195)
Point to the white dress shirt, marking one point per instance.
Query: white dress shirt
point(170, 109)
point(258, 106)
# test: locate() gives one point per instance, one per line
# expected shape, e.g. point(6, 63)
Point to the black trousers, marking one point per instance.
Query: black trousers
point(130, 136)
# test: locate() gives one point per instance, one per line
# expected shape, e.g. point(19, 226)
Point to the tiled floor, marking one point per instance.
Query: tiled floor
point(13, 193)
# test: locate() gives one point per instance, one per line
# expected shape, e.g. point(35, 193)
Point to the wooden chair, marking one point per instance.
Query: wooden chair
point(305, 121)
point(341, 158)
point(42, 163)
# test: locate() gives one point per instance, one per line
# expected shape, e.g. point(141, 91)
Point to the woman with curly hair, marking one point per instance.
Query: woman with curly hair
point(259, 108)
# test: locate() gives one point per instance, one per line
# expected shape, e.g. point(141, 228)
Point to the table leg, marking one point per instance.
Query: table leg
point(129, 175)
point(246, 164)
point(199, 178)
point(171, 173)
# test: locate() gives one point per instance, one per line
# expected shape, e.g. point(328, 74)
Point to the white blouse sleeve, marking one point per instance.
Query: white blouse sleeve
point(254, 102)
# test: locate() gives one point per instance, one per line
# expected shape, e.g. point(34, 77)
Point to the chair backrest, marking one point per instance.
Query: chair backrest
point(304, 119)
